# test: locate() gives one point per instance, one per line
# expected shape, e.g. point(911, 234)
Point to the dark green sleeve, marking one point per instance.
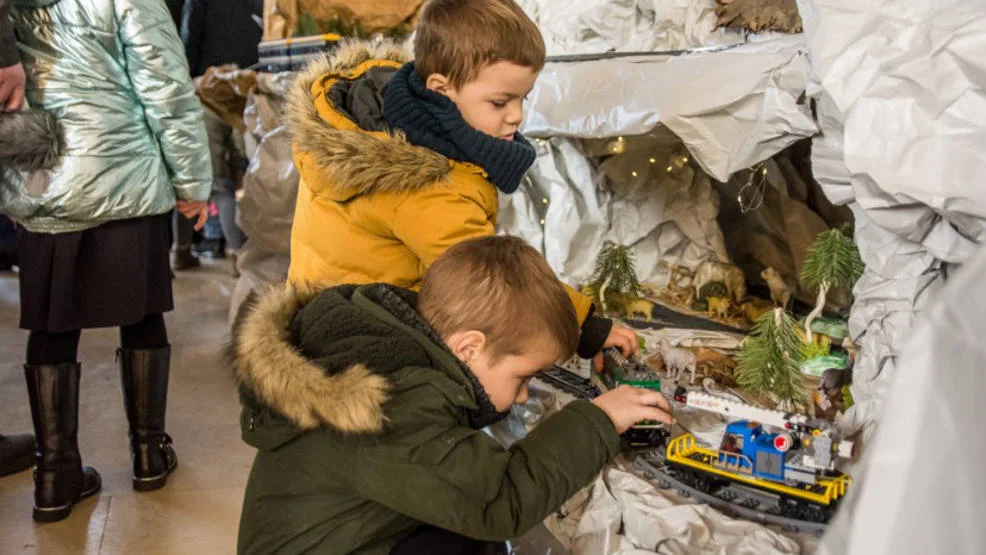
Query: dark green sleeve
point(8, 45)
point(463, 480)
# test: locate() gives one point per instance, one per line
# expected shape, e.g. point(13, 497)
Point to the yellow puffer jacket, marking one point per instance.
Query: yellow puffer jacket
point(371, 206)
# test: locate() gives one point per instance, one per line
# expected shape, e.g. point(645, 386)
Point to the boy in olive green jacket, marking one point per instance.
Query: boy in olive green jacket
point(366, 405)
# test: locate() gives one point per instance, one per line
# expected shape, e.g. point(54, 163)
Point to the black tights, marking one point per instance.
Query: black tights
point(57, 348)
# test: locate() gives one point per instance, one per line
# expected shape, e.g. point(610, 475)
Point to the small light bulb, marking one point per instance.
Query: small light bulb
point(670, 169)
point(619, 139)
point(653, 160)
point(633, 174)
point(544, 200)
point(542, 221)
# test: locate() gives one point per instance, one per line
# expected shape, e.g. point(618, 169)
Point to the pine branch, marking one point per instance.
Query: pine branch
point(833, 258)
point(615, 263)
point(771, 359)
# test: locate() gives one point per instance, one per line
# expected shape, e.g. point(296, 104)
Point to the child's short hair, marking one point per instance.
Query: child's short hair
point(504, 288)
point(458, 38)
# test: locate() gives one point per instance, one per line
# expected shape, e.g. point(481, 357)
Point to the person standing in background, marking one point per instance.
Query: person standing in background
point(93, 241)
point(219, 32)
point(16, 451)
point(216, 33)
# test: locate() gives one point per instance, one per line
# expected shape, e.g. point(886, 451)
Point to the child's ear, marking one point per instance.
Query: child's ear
point(467, 345)
point(437, 82)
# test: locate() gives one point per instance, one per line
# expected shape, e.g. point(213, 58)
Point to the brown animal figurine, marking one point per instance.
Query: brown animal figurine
point(780, 290)
point(718, 307)
point(731, 275)
point(639, 306)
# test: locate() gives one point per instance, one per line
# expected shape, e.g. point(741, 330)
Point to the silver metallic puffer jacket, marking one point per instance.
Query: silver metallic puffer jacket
point(114, 75)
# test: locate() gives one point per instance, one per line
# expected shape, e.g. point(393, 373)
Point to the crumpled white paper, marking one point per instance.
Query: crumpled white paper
point(731, 108)
point(921, 489)
point(902, 108)
point(593, 26)
point(623, 514)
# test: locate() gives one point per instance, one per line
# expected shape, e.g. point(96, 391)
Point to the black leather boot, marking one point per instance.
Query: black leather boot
point(144, 373)
point(60, 480)
point(16, 453)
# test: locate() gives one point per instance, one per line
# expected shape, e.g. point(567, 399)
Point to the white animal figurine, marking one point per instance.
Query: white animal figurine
point(731, 275)
point(677, 360)
point(780, 290)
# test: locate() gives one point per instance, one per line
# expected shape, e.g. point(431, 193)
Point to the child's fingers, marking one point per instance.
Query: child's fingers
point(203, 216)
point(16, 100)
point(653, 413)
point(654, 399)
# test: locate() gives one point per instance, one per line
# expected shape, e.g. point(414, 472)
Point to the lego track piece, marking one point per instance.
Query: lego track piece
point(652, 465)
point(569, 383)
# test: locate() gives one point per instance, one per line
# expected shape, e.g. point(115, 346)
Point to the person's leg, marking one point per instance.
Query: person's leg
point(8, 244)
point(145, 361)
point(235, 238)
point(226, 202)
point(436, 541)
point(52, 374)
point(183, 259)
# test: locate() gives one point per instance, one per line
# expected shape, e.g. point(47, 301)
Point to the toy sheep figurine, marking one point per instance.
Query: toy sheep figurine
point(677, 360)
point(780, 290)
point(731, 275)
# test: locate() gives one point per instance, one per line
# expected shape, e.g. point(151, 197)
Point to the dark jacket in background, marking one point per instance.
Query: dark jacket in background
point(217, 32)
point(175, 8)
point(8, 45)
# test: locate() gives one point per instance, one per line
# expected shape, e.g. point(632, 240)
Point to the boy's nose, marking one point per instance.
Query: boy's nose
point(515, 116)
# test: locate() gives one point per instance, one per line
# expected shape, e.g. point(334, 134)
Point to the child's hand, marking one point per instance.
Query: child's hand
point(627, 405)
point(622, 338)
point(193, 210)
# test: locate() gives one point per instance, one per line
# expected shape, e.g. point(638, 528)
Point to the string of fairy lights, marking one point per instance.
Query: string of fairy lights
point(750, 196)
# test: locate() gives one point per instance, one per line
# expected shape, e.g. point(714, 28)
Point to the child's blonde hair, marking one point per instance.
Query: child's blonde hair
point(504, 288)
point(458, 38)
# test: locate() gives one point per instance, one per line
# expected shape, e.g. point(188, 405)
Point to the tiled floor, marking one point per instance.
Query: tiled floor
point(199, 509)
point(198, 512)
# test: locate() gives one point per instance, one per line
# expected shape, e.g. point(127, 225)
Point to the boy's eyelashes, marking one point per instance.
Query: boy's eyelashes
point(503, 103)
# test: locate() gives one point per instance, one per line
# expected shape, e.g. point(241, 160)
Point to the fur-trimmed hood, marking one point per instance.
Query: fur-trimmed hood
point(356, 160)
point(272, 371)
point(324, 359)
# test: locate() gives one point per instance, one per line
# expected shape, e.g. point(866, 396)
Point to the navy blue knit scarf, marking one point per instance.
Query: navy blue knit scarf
point(432, 120)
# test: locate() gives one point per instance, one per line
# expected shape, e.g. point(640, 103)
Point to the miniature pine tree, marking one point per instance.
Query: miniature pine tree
point(770, 361)
point(614, 273)
point(832, 261)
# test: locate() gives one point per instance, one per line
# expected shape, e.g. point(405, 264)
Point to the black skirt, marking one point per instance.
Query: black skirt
point(108, 276)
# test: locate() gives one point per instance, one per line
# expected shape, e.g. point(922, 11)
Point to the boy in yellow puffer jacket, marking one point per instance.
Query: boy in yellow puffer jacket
point(401, 160)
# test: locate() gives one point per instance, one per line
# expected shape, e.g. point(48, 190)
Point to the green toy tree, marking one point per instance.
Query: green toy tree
point(770, 361)
point(832, 261)
point(614, 273)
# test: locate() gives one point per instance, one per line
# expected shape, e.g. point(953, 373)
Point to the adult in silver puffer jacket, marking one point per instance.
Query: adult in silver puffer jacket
point(109, 78)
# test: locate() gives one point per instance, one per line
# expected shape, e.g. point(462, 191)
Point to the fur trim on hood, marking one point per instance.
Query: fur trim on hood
point(358, 162)
point(29, 140)
point(269, 366)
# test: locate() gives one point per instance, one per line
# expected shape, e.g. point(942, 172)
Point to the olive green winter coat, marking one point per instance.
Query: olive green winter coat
point(367, 426)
